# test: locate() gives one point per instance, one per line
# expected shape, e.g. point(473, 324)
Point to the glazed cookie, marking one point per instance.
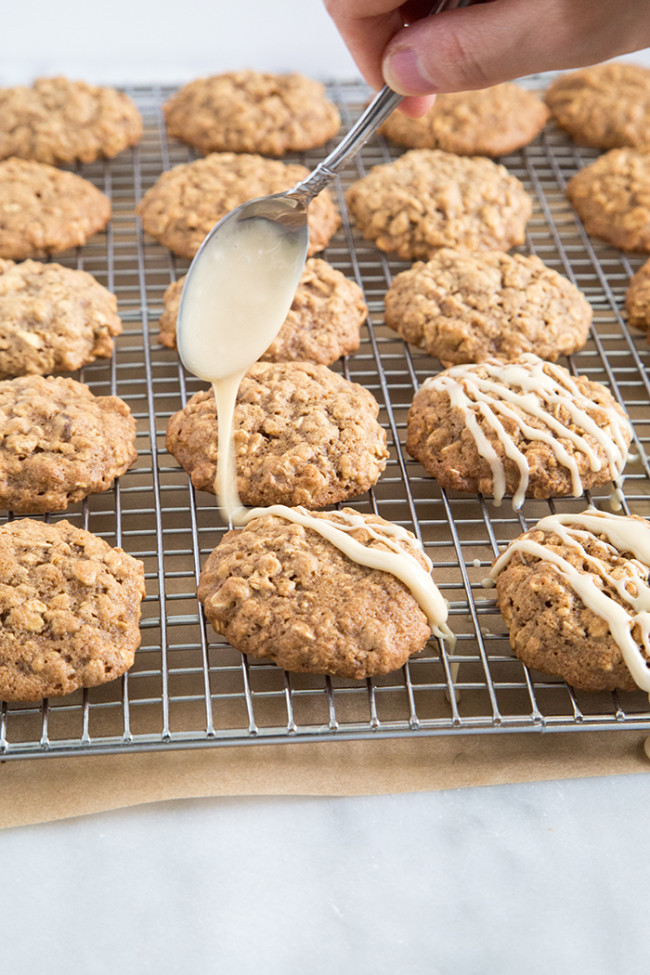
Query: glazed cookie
point(252, 111)
point(44, 210)
point(280, 591)
point(606, 106)
point(323, 322)
point(59, 443)
point(428, 199)
point(488, 122)
point(527, 428)
point(303, 435)
point(574, 593)
point(60, 121)
point(464, 307)
point(52, 319)
point(612, 198)
point(69, 610)
point(637, 298)
point(186, 202)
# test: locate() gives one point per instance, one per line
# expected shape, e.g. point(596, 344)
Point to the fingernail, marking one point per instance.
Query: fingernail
point(402, 71)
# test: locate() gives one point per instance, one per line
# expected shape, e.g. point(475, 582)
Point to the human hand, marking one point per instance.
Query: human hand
point(483, 44)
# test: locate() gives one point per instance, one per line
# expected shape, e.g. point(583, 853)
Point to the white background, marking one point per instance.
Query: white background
point(549, 877)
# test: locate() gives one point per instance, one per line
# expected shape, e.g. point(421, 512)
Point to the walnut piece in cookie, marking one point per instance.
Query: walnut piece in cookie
point(44, 210)
point(252, 111)
point(606, 106)
point(323, 322)
point(464, 307)
point(303, 435)
point(187, 201)
point(428, 199)
point(612, 198)
point(56, 121)
point(52, 318)
point(279, 591)
point(574, 593)
point(487, 122)
point(527, 428)
point(59, 443)
point(69, 610)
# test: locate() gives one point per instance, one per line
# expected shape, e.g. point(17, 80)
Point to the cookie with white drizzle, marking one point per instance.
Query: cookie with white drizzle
point(525, 428)
point(575, 594)
point(339, 593)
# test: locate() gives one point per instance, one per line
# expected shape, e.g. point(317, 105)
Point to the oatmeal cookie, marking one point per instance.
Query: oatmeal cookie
point(428, 199)
point(188, 200)
point(573, 592)
point(61, 121)
point(488, 122)
point(52, 319)
point(281, 592)
point(69, 609)
point(612, 198)
point(606, 106)
point(323, 322)
point(303, 435)
point(59, 442)
point(637, 298)
point(252, 111)
point(464, 307)
point(525, 428)
point(44, 210)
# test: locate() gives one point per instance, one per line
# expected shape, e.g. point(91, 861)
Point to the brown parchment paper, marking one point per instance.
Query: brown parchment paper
point(41, 790)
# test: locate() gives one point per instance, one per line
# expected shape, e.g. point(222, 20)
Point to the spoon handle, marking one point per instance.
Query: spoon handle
point(368, 122)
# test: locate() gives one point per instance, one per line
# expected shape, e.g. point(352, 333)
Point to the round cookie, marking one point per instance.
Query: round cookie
point(52, 319)
point(637, 298)
point(44, 210)
point(574, 594)
point(303, 435)
point(525, 428)
point(612, 198)
point(69, 609)
point(188, 200)
point(323, 322)
point(59, 442)
point(61, 121)
point(252, 111)
point(428, 199)
point(605, 106)
point(280, 591)
point(464, 307)
point(487, 122)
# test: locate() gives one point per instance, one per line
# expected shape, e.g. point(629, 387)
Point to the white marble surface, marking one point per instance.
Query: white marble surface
point(514, 880)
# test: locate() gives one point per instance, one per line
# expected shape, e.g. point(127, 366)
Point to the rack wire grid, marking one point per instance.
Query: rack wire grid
point(188, 688)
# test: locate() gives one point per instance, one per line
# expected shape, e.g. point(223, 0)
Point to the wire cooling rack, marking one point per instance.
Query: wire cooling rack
point(189, 688)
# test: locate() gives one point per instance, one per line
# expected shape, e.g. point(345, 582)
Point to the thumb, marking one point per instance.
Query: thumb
point(468, 48)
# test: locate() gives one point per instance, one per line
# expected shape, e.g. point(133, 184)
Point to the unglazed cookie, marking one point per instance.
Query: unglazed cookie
point(61, 121)
point(44, 210)
point(303, 435)
point(606, 106)
point(69, 609)
point(323, 322)
point(527, 428)
point(279, 591)
point(188, 200)
point(574, 593)
point(637, 298)
point(52, 319)
point(488, 122)
point(252, 111)
point(59, 442)
point(429, 199)
point(612, 198)
point(464, 307)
